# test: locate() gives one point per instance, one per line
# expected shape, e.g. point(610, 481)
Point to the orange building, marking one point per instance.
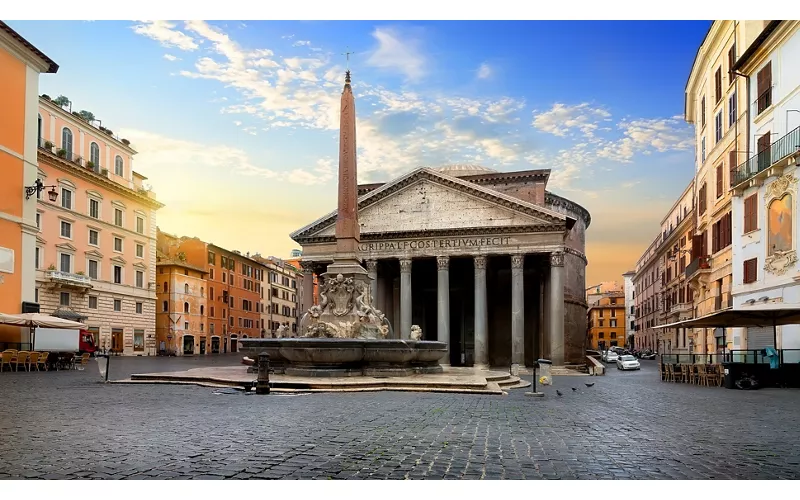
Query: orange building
point(607, 321)
point(235, 285)
point(181, 315)
point(20, 66)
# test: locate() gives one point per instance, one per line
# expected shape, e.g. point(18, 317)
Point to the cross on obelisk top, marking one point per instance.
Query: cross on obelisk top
point(347, 54)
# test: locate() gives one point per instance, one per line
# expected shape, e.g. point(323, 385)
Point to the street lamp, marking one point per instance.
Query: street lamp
point(38, 187)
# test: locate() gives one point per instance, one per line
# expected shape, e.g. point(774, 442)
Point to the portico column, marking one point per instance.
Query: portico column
point(517, 313)
point(308, 286)
point(481, 318)
point(556, 287)
point(443, 304)
point(372, 272)
point(405, 298)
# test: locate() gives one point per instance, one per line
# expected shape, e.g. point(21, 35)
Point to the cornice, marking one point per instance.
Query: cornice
point(85, 126)
point(559, 201)
point(86, 174)
point(577, 253)
point(470, 231)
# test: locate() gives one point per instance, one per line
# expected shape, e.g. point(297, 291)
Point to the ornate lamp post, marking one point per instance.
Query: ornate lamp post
point(38, 187)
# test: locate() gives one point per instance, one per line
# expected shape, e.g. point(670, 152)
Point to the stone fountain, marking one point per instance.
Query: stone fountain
point(345, 335)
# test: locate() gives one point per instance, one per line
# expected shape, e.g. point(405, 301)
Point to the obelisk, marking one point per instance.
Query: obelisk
point(348, 233)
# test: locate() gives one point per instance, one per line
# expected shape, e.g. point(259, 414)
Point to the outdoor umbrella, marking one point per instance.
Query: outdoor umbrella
point(36, 320)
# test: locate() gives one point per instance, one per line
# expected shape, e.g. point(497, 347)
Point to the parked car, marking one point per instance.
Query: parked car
point(627, 362)
point(610, 356)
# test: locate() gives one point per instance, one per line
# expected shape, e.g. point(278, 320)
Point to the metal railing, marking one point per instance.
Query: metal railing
point(746, 356)
point(696, 265)
point(778, 150)
point(72, 278)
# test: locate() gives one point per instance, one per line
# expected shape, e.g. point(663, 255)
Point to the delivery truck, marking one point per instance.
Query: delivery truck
point(63, 340)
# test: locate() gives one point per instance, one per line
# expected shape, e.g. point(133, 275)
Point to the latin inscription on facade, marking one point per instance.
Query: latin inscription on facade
point(434, 244)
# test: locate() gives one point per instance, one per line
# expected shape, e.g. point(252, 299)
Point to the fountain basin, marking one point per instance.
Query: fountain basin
point(330, 357)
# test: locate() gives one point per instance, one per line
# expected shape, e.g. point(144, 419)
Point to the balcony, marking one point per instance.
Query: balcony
point(71, 157)
point(697, 266)
point(683, 307)
point(773, 156)
point(69, 279)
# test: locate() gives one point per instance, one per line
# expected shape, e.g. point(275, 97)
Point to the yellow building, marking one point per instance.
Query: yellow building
point(20, 66)
point(716, 104)
point(607, 321)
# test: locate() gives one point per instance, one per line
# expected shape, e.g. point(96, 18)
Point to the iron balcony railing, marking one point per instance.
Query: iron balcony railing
point(697, 264)
point(778, 150)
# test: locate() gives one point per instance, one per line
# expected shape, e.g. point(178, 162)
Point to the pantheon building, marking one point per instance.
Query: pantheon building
point(491, 263)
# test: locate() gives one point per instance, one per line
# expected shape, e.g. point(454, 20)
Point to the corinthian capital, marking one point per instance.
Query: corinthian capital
point(442, 263)
point(405, 265)
point(557, 259)
point(307, 266)
point(372, 266)
point(517, 261)
point(480, 261)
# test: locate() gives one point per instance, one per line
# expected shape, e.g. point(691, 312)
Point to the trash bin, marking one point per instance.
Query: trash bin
point(729, 380)
point(545, 376)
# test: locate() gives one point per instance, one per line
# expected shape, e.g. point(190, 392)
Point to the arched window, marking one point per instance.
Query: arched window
point(202, 310)
point(66, 141)
point(119, 167)
point(166, 287)
point(186, 307)
point(186, 288)
point(94, 154)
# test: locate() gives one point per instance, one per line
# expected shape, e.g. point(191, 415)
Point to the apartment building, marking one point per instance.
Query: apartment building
point(181, 316)
point(282, 299)
point(647, 300)
point(607, 321)
point(630, 309)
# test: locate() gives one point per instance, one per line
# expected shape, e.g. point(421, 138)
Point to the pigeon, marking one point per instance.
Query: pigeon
point(574, 389)
point(589, 385)
point(558, 392)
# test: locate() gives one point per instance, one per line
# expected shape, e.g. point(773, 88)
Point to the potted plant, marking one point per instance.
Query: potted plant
point(46, 97)
point(90, 164)
point(81, 273)
point(109, 132)
point(126, 142)
point(62, 153)
point(104, 172)
point(48, 145)
point(77, 114)
point(51, 267)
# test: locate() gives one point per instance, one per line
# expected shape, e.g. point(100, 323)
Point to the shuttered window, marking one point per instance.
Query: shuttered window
point(751, 213)
point(701, 203)
point(764, 88)
point(703, 111)
point(750, 270)
point(731, 62)
point(720, 184)
point(718, 85)
point(732, 158)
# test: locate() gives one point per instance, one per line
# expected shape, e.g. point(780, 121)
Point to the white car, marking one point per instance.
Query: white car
point(627, 362)
point(610, 356)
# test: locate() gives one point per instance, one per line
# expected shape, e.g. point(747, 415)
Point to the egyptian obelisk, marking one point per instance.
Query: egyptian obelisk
point(348, 234)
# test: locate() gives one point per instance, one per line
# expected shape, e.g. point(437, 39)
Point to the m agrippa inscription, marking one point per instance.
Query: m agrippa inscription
point(435, 244)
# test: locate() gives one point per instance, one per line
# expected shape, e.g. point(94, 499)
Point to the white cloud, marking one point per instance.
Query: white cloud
point(301, 43)
point(163, 32)
point(561, 119)
point(170, 57)
point(647, 136)
point(398, 53)
point(484, 71)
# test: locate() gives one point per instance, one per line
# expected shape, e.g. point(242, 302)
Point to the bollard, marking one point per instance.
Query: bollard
point(262, 384)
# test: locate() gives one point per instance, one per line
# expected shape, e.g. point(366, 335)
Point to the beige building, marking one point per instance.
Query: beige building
point(716, 104)
point(647, 298)
point(280, 295)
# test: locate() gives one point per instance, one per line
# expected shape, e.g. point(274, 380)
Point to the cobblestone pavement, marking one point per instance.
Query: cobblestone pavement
point(629, 425)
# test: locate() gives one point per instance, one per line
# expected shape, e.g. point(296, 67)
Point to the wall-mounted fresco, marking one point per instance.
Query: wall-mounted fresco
point(780, 225)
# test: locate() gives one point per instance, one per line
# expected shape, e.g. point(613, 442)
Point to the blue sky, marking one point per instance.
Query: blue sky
point(236, 122)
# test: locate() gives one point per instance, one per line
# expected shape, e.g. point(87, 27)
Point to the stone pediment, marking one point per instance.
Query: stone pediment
point(429, 201)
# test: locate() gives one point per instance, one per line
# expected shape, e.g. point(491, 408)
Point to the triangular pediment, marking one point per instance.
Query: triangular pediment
point(66, 246)
point(426, 200)
point(94, 253)
point(118, 260)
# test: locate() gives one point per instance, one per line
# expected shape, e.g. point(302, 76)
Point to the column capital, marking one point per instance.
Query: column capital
point(480, 261)
point(442, 263)
point(517, 261)
point(307, 266)
point(557, 259)
point(405, 265)
point(372, 265)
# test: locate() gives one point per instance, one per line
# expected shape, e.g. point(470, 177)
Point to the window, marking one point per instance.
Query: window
point(66, 263)
point(64, 299)
point(66, 229)
point(140, 250)
point(92, 267)
point(211, 293)
point(185, 325)
point(720, 182)
point(94, 237)
point(703, 150)
point(751, 213)
point(202, 309)
point(750, 271)
point(732, 166)
point(38, 221)
point(613, 313)
point(600, 335)
point(92, 302)
point(38, 260)
point(186, 288)
point(139, 225)
point(211, 273)
point(600, 322)
point(186, 307)
point(139, 279)
point(117, 244)
point(211, 311)
point(165, 306)
point(119, 167)
point(117, 304)
point(721, 233)
point(66, 198)
point(732, 109)
point(764, 88)
point(703, 112)
point(731, 62)
point(138, 340)
point(613, 323)
point(718, 85)
point(718, 127)
point(118, 275)
point(66, 141)
point(94, 209)
point(139, 307)
point(202, 292)
point(701, 202)
point(94, 154)
point(764, 151)
point(118, 217)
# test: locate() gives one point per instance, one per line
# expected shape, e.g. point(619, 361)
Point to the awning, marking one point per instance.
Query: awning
point(69, 314)
point(36, 320)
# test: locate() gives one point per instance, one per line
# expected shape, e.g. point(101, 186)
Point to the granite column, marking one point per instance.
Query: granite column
point(405, 299)
point(372, 272)
point(481, 316)
point(556, 289)
point(517, 313)
point(443, 304)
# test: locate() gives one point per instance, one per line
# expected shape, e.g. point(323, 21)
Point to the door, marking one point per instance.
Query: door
point(234, 342)
point(188, 345)
point(202, 346)
point(116, 340)
point(214, 345)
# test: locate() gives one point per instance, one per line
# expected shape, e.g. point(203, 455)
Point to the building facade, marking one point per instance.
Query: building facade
point(674, 253)
point(20, 66)
point(600, 290)
point(304, 272)
point(607, 321)
point(765, 221)
point(95, 247)
point(181, 316)
point(647, 300)
point(630, 309)
point(280, 297)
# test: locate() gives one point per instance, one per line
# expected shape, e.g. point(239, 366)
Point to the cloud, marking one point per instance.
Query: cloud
point(170, 57)
point(301, 43)
point(648, 136)
point(484, 71)
point(398, 53)
point(163, 32)
point(561, 119)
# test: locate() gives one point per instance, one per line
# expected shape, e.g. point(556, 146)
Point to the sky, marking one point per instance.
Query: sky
point(236, 122)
